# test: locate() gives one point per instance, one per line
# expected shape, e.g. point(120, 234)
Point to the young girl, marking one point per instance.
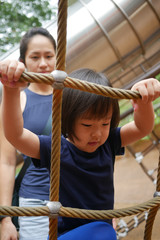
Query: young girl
point(90, 141)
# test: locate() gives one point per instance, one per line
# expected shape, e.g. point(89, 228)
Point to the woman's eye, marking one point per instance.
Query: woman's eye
point(49, 56)
point(35, 57)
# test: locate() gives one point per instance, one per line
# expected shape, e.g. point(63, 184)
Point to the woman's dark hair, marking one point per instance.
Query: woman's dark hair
point(78, 103)
point(27, 37)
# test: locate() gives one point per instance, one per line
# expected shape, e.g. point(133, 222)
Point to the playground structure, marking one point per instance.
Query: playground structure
point(59, 81)
point(139, 169)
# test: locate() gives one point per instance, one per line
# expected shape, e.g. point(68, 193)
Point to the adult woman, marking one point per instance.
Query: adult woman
point(37, 54)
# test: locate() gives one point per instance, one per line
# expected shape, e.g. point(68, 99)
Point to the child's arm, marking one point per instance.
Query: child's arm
point(12, 119)
point(143, 112)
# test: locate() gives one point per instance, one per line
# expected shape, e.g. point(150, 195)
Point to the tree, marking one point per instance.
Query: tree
point(16, 17)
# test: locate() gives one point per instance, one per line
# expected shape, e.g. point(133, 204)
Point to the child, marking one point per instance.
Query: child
point(89, 143)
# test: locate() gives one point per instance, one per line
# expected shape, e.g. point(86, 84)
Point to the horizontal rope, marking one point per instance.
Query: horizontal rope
point(108, 214)
point(81, 85)
point(100, 89)
point(80, 213)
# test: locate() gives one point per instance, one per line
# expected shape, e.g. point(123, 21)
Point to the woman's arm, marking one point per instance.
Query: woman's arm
point(9, 71)
point(7, 179)
point(143, 112)
point(8, 161)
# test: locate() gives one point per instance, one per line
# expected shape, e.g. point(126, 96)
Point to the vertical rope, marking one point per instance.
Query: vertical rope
point(56, 115)
point(153, 211)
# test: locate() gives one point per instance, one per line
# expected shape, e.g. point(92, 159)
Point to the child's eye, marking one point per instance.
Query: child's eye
point(49, 56)
point(105, 124)
point(86, 125)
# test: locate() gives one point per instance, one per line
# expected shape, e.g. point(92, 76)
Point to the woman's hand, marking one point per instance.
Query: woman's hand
point(10, 72)
point(8, 230)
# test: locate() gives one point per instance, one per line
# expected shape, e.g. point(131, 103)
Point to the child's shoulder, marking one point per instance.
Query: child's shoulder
point(114, 133)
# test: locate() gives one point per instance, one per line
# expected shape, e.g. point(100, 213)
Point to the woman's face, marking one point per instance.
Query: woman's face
point(40, 55)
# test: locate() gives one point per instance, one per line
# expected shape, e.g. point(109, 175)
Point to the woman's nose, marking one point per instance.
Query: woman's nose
point(42, 62)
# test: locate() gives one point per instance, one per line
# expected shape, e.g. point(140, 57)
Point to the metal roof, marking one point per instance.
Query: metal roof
point(110, 36)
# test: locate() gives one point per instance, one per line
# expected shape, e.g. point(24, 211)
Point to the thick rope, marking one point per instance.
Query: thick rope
point(81, 85)
point(150, 222)
point(80, 213)
point(56, 115)
point(153, 211)
point(100, 90)
point(108, 214)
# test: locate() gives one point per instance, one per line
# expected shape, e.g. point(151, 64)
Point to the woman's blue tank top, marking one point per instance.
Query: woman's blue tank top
point(35, 183)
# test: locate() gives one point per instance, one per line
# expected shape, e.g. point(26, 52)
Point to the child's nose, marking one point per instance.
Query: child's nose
point(96, 133)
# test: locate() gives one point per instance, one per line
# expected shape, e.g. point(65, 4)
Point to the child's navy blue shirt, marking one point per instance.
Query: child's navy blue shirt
point(86, 179)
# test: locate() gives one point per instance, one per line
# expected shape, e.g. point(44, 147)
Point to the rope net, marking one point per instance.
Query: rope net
point(151, 205)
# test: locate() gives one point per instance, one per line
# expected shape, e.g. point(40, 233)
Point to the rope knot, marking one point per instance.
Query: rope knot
point(59, 77)
point(54, 208)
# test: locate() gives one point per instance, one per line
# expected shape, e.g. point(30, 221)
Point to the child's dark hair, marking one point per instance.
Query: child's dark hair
point(78, 103)
point(27, 37)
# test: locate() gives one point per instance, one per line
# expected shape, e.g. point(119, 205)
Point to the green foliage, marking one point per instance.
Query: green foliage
point(125, 105)
point(158, 77)
point(16, 17)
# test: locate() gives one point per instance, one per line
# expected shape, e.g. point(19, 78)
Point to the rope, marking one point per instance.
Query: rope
point(108, 214)
point(99, 89)
point(56, 115)
point(80, 213)
point(153, 211)
point(80, 85)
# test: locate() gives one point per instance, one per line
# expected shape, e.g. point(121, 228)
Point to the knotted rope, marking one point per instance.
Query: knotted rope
point(80, 85)
point(80, 213)
point(56, 115)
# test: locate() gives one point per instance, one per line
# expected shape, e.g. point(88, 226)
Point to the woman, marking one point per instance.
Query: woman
point(37, 54)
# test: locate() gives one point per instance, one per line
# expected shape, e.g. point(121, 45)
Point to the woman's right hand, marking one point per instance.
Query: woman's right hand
point(10, 72)
point(8, 230)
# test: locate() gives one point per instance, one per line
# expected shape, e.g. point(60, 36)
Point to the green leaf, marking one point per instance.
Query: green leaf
point(16, 17)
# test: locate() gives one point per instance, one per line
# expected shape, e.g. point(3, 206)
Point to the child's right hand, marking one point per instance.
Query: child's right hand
point(10, 72)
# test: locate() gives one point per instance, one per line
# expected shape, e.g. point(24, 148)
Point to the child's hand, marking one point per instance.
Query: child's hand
point(149, 90)
point(10, 72)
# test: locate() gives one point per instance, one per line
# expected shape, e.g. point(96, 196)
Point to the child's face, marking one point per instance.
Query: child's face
point(91, 133)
